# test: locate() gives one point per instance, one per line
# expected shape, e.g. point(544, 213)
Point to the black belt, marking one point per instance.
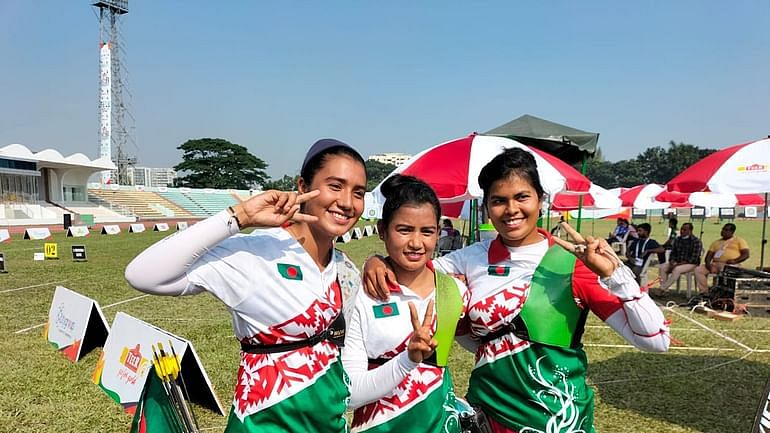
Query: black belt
point(335, 333)
point(516, 327)
point(431, 360)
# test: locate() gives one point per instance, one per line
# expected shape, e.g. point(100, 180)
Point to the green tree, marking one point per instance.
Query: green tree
point(218, 163)
point(375, 172)
point(286, 183)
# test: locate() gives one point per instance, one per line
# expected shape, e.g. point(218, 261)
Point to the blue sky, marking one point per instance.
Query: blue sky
point(388, 76)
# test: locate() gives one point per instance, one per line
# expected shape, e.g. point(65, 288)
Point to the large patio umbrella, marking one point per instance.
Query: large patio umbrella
point(739, 169)
point(452, 168)
point(643, 197)
point(597, 198)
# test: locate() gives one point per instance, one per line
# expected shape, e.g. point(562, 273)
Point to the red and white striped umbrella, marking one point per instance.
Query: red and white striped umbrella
point(709, 199)
point(452, 168)
point(739, 169)
point(643, 197)
point(597, 198)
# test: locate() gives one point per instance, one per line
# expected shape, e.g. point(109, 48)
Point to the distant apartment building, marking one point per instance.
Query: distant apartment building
point(154, 176)
point(391, 158)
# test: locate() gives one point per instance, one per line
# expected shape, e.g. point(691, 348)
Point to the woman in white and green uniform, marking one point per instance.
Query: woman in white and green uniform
point(530, 298)
point(398, 382)
point(284, 287)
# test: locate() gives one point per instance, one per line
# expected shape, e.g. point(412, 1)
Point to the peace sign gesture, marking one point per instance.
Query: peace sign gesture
point(273, 208)
point(422, 344)
point(597, 254)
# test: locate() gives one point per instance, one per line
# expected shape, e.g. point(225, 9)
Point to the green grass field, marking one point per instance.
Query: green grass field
point(709, 385)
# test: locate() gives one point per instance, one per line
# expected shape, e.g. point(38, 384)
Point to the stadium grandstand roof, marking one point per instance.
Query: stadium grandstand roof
point(52, 158)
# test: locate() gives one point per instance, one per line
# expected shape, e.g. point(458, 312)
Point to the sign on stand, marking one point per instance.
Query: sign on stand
point(111, 229)
point(51, 250)
point(136, 228)
point(79, 253)
point(126, 361)
point(160, 227)
point(2, 264)
point(5, 235)
point(37, 233)
point(181, 225)
point(75, 324)
point(77, 231)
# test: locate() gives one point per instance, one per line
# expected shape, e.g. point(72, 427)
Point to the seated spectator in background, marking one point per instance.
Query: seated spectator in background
point(729, 250)
point(556, 230)
point(685, 257)
point(447, 237)
point(619, 233)
point(672, 230)
point(640, 249)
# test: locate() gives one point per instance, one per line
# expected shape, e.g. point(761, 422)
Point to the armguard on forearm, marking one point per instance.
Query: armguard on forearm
point(161, 268)
point(639, 321)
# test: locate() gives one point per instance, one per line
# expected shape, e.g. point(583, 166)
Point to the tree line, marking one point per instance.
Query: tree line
point(654, 165)
point(218, 163)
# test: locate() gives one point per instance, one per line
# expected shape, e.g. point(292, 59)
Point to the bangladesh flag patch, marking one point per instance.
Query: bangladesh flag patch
point(290, 272)
point(385, 310)
point(498, 271)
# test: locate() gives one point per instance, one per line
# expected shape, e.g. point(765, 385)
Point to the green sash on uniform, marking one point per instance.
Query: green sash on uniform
point(449, 308)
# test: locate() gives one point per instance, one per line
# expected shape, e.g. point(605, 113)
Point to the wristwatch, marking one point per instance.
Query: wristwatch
point(233, 217)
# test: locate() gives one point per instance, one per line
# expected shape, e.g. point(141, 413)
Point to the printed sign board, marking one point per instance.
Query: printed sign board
point(638, 213)
point(726, 213)
point(4, 235)
point(75, 324)
point(698, 213)
point(51, 250)
point(112, 229)
point(36, 233)
point(750, 212)
point(136, 228)
point(160, 227)
point(344, 238)
point(77, 231)
point(356, 233)
point(79, 253)
point(38, 257)
point(181, 225)
point(368, 231)
point(127, 359)
point(2, 264)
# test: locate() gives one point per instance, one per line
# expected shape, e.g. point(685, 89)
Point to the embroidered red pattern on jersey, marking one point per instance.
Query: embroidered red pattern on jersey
point(317, 317)
point(420, 382)
point(265, 379)
point(492, 312)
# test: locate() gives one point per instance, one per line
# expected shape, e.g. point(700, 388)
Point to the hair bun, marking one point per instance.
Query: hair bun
point(395, 184)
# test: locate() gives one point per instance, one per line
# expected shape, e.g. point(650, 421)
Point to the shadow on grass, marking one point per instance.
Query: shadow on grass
point(704, 393)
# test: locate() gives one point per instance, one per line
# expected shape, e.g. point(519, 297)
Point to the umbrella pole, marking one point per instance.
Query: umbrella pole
point(580, 199)
point(473, 223)
point(764, 240)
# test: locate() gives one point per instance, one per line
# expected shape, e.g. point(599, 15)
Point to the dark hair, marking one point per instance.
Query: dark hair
point(730, 226)
point(316, 162)
point(647, 227)
point(447, 222)
point(400, 190)
point(511, 162)
point(674, 220)
point(688, 225)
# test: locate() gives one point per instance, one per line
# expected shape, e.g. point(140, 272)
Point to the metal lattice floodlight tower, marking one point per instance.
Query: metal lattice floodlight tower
point(113, 111)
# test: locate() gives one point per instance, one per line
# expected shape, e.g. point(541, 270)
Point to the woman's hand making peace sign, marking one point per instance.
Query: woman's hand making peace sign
point(273, 208)
point(422, 344)
point(597, 254)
